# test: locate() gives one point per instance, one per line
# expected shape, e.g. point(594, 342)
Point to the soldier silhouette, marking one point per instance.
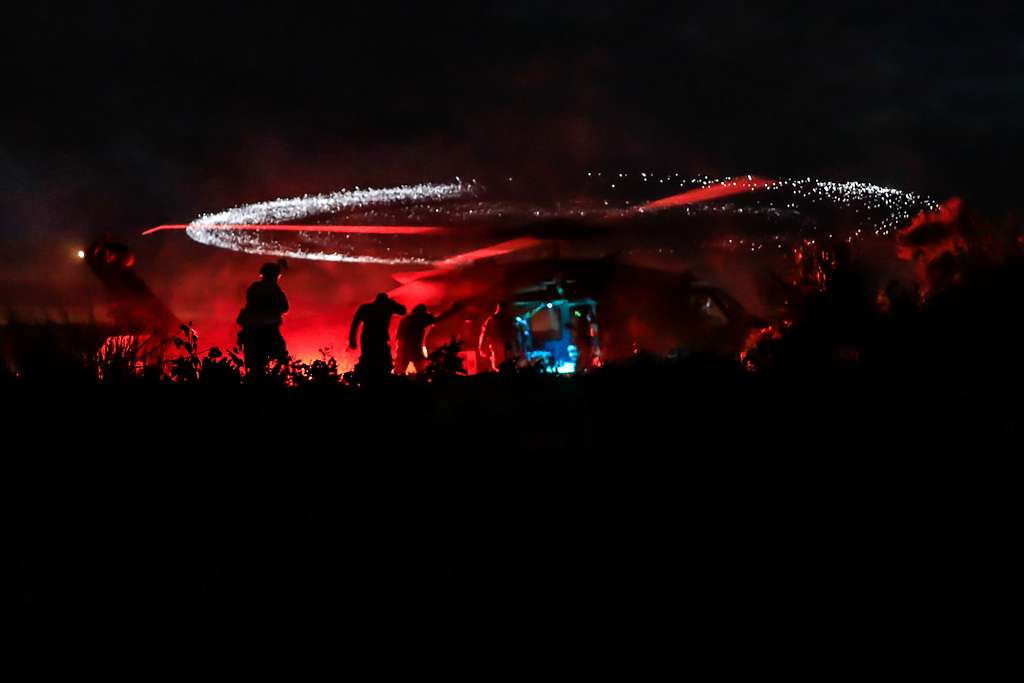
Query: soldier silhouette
point(499, 337)
point(411, 332)
point(265, 306)
point(375, 352)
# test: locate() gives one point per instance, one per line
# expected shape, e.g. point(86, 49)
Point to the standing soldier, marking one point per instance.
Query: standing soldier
point(583, 337)
point(499, 337)
point(411, 333)
point(375, 352)
point(265, 305)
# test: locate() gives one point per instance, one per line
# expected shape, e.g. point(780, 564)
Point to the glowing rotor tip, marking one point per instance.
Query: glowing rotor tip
point(81, 254)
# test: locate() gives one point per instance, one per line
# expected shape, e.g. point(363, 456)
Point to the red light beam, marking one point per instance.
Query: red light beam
point(499, 249)
point(717, 191)
point(466, 258)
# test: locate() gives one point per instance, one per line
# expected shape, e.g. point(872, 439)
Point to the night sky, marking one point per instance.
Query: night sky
point(118, 119)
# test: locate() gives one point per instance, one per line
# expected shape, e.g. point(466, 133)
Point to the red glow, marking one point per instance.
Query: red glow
point(323, 295)
point(754, 338)
point(932, 232)
point(420, 292)
point(345, 229)
point(947, 212)
point(413, 275)
point(716, 191)
point(931, 236)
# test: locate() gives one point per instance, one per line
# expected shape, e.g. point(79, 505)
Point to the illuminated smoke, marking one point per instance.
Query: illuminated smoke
point(933, 240)
point(932, 232)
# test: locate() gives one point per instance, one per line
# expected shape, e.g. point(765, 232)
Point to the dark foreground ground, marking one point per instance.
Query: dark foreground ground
point(692, 520)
